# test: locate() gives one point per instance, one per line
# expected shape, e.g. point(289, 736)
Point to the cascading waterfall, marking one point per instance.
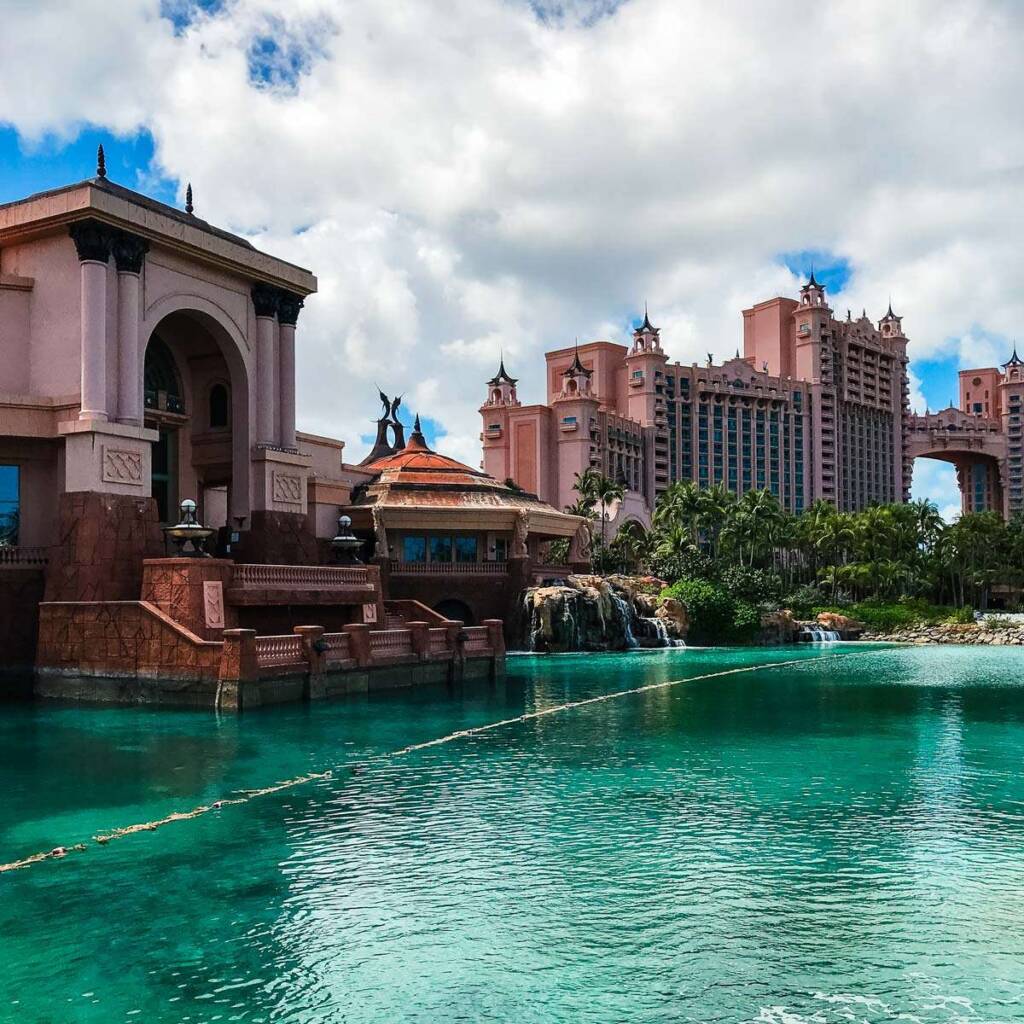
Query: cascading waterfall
point(819, 635)
point(591, 613)
point(625, 611)
point(657, 627)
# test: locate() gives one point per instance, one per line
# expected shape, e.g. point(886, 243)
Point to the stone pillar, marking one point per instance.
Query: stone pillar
point(93, 242)
point(420, 636)
point(496, 638)
point(129, 252)
point(265, 300)
point(287, 315)
point(316, 658)
point(358, 643)
point(238, 682)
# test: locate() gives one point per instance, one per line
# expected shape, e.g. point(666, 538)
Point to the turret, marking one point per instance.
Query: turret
point(891, 325)
point(576, 379)
point(813, 294)
point(501, 388)
point(646, 338)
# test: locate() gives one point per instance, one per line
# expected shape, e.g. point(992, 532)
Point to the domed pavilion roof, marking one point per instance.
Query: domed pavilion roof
point(420, 481)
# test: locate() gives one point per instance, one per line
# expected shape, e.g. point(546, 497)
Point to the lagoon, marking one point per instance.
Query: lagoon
point(838, 838)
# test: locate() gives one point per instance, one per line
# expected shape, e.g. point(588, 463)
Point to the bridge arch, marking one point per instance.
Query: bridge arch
point(975, 446)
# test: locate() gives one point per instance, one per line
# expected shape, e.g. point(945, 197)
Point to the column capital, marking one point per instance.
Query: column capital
point(129, 251)
point(266, 299)
point(93, 240)
point(288, 308)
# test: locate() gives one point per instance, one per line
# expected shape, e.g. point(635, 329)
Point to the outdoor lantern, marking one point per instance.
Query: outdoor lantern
point(189, 535)
point(346, 543)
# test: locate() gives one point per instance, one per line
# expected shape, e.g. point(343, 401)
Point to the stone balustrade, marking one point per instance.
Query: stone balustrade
point(300, 577)
point(24, 557)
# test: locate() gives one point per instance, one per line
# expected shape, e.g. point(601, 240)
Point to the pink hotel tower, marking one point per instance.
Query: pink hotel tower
point(814, 408)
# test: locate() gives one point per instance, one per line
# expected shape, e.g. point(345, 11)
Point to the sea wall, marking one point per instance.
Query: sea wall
point(954, 633)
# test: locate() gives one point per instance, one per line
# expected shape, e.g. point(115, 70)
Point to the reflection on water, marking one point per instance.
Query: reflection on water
point(838, 840)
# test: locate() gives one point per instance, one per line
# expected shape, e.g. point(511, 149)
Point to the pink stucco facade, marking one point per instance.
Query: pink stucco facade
point(148, 354)
point(815, 407)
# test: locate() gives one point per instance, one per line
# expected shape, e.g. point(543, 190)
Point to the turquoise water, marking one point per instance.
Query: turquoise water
point(838, 840)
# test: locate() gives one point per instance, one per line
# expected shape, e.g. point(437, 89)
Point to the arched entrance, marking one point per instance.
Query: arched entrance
point(459, 611)
point(191, 397)
point(973, 445)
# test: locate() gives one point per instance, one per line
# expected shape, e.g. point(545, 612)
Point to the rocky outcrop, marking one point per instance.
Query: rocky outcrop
point(594, 613)
point(954, 633)
point(779, 628)
point(847, 628)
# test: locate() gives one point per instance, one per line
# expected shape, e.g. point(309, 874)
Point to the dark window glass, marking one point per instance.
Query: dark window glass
point(10, 508)
point(465, 549)
point(440, 549)
point(218, 406)
point(414, 549)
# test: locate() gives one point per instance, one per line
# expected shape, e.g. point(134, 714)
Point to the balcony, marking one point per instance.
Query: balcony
point(23, 557)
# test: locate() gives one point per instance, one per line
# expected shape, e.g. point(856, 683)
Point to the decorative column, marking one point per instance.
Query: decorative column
point(287, 315)
point(93, 242)
point(129, 252)
point(266, 300)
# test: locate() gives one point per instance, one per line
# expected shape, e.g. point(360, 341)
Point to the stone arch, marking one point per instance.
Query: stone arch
point(234, 347)
point(453, 608)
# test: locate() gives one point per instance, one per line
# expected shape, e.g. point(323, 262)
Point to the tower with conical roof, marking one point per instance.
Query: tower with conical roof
point(501, 388)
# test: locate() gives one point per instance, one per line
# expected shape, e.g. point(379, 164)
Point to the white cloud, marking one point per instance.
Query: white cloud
point(469, 175)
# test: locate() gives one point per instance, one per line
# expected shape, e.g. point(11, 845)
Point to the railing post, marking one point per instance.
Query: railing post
point(457, 645)
point(420, 639)
point(314, 650)
point(358, 643)
point(496, 638)
point(238, 678)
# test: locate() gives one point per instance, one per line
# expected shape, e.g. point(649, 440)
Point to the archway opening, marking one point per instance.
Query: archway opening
point(451, 608)
point(190, 399)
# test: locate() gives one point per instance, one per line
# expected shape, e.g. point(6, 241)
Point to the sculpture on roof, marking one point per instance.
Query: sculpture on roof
point(387, 423)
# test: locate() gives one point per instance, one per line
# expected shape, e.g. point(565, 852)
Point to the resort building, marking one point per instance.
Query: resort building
point(815, 407)
point(150, 358)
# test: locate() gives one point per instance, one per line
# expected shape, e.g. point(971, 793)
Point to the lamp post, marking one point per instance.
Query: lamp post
point(189, 535)
point(346, 543)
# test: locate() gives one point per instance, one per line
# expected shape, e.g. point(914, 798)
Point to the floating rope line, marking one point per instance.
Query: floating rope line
point(246, 795)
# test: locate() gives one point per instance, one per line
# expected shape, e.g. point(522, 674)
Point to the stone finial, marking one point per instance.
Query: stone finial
point(101, 162)
point(189, 208)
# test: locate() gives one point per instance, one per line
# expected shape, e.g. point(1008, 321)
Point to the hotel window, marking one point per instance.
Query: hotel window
point(10, 497)
point(440, 549)
point(414, 549)
point(465, 549)
point(219, 407)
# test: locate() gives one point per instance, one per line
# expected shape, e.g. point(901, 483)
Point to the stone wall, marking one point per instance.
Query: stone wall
point(102, 541)
point(191, 592)
point(278, 538)
point(121, 638)
point(953, 633)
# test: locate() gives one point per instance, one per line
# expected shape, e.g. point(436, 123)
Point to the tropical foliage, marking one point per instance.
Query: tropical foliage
point(761, 554)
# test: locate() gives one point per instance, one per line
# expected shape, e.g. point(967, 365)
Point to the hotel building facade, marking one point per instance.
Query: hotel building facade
point(815, 407)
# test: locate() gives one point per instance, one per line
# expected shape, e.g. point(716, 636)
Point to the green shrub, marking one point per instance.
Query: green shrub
point(709, 607)
point(907, 613)
point(999, 622)
point(746, 622)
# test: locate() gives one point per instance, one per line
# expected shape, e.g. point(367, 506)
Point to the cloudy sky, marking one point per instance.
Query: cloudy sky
point(466, 176)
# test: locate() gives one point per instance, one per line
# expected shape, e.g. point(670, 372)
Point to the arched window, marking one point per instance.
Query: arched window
point(162, 386)
point(219, 407)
